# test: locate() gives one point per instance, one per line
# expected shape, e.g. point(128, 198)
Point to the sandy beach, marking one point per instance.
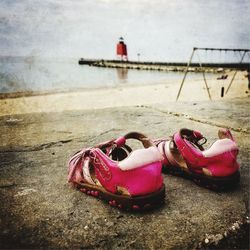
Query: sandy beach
point(126, 96)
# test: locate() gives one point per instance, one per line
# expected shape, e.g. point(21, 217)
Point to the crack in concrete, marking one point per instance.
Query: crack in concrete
point(102, 133)
point(7, 185)
point(37, 147)
point(51, 144)
point(200, 120)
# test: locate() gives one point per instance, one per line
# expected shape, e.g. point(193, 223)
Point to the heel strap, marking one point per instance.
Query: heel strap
point(134, 135)
point(190, 145)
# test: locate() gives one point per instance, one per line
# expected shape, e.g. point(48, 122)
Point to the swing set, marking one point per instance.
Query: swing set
point(223, 77)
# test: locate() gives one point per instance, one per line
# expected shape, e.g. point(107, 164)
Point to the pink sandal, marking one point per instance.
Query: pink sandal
point(126, 179)
point(215, 168)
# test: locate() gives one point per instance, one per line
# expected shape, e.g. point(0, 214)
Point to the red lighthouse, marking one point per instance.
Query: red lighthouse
point(121, 50)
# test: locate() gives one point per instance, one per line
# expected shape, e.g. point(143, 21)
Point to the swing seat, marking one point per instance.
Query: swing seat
point(223, 77)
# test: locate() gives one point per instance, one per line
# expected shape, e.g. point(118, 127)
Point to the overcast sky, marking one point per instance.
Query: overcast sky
point(157, 29)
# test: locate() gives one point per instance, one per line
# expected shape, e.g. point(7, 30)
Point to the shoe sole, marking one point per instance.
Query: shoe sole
point(127, 203)
point(210, 182)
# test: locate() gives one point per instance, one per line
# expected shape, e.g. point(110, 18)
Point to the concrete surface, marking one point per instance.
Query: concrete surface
point(40, 210)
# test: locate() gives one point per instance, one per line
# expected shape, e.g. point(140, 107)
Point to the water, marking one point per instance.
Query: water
point(34, 74)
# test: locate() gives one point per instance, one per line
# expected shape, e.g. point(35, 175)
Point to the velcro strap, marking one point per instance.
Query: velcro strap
point(167, 150)
point(194, 137)
point(86, 172)
point(75, 166)
point(120, 141)
point(187, 150)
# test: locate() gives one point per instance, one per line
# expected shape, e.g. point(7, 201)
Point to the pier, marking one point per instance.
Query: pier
point(162, 66)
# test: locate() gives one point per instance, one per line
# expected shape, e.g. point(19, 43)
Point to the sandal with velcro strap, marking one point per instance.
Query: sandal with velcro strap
point(113, 172)
point(215, 168)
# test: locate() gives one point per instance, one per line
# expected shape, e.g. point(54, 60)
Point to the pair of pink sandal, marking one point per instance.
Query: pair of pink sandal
point(132, 180)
